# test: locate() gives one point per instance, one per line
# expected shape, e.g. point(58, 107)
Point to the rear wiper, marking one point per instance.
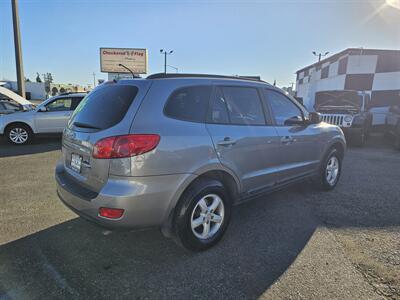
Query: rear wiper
point(84, 125)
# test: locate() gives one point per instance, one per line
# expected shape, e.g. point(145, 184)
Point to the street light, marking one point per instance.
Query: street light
point(320, 55)
point(165, 52)
point(172, 67)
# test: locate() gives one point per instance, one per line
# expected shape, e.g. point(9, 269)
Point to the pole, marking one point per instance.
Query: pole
point(319, 57)
point(18, 50)
point(94, 79)
point(165, 62)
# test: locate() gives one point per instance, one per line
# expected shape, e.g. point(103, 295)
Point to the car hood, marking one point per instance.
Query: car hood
point(337, 109)
point(17, 98)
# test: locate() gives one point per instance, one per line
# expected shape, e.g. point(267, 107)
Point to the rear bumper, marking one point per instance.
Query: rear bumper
point(146, 200)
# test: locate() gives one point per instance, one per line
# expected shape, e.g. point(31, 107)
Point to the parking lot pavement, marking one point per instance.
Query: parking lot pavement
point(298, 243)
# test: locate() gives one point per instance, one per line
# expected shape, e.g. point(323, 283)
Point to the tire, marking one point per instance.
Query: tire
point(196, 203)
point(19, 134)
point(323, 177)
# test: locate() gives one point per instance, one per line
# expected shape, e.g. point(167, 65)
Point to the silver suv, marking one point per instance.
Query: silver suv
point(179, 151)
point(49, 117)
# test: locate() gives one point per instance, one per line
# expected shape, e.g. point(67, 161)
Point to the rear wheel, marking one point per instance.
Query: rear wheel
point(202, 215)
point(19, 134)
point(330, 170)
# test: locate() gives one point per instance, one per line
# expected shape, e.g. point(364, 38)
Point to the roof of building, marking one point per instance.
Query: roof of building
point(351, 51)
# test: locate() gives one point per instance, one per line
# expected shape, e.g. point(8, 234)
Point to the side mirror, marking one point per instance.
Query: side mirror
point(314, 117)
point(43, 109)
point(297, 120)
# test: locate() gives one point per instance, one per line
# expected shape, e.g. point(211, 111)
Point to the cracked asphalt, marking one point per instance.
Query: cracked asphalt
point(295, 244)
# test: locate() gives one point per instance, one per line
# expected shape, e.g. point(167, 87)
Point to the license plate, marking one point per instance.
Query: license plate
point(76, 161)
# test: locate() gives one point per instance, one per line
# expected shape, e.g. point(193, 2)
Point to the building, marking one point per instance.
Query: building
point(375, 71)
point(42, 91)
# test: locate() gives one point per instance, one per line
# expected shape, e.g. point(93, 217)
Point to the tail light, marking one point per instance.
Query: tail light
point(111, 213)
point(125, 145)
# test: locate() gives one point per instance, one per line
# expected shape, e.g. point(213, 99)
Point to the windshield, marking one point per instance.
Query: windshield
point(338, 98)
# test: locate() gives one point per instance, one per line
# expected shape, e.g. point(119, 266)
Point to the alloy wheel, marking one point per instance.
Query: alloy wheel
point(207, 216)
point(332, 170)
point(18, 135)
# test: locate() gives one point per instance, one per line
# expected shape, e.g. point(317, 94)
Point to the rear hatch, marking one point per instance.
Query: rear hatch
point(107, 111)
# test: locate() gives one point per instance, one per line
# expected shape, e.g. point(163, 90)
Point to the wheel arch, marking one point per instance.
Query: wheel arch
point(230, 181)
point(339, 147)
point(18, 122)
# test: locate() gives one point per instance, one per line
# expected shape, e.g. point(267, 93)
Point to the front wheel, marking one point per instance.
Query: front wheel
point(19, 134)
point(202, 215)
point(330, 171)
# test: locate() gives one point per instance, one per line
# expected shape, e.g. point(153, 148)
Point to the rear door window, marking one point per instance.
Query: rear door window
point(244, 105)
point(189, 103)
point(104, 107)
point(219, 111)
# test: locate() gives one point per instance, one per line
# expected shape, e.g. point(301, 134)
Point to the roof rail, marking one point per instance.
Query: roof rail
point(183, 75)
point(69, 93)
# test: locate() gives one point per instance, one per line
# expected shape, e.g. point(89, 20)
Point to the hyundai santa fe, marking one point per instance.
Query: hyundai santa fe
point(179, 151)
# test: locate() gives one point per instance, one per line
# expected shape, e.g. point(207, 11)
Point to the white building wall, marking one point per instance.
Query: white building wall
point(362, 64)
point(36, 89)
point(333, 69)
point(386, 81)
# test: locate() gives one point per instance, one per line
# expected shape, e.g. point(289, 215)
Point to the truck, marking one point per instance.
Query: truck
point(347, 109)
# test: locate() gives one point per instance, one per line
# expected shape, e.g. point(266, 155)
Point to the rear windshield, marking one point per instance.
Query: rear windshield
point(105, 107)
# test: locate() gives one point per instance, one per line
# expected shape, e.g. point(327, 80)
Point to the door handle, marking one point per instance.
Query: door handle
point(287, 140)
point(226, 142)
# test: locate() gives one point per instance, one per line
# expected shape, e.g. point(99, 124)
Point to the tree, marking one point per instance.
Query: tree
point(49, 78)
point(38, 77)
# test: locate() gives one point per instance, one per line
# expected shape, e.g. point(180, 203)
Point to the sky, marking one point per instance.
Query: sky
point(272, 39)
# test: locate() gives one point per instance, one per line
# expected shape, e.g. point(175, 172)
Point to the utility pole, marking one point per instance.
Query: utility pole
point(18, 50)
point(162, 51)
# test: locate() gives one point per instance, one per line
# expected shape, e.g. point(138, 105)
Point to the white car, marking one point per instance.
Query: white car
point(50, 116)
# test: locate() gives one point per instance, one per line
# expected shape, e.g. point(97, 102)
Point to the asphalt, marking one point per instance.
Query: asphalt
point(295, 244)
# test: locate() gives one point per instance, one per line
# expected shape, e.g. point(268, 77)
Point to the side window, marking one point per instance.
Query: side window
point(189, 103)
point(219, 113)
point(244, 106)
point(75, 102)
point(282, 107)
point(62, 104)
